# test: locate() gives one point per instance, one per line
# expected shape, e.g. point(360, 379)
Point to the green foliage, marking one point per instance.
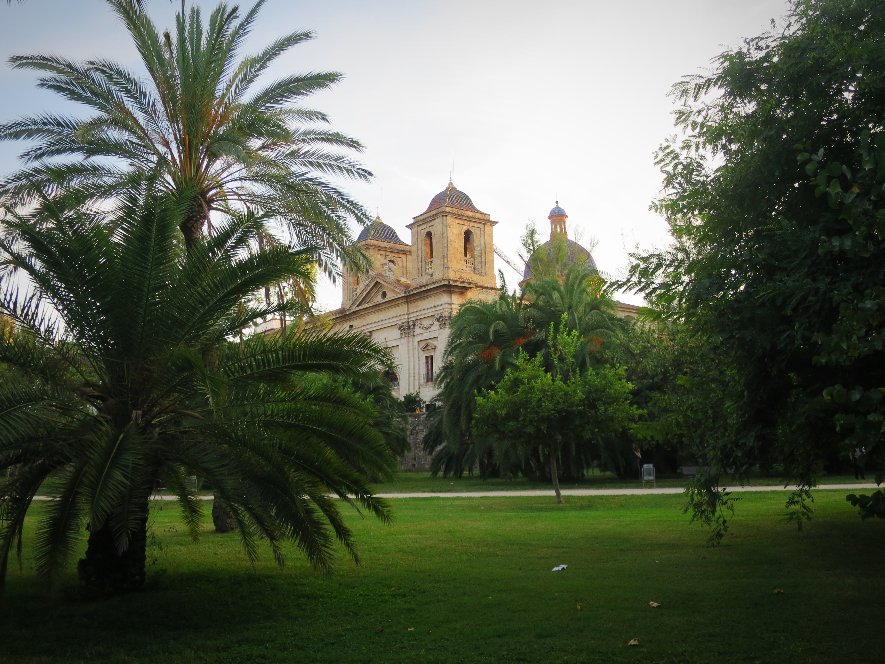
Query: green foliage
point(389, 419)
point(486, 340)
point(197, 115)
point(554, 259)
point(412, 403)
point(869, 506)
point(117, 381)
point(564, 418)
point(710, 504)
point(774, 198)
point(798, 505)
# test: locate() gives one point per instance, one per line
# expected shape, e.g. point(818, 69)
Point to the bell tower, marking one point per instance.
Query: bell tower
point(452, 240)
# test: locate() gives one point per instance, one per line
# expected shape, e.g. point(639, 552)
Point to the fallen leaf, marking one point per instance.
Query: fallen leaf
point(633, 642)
point(654, 605)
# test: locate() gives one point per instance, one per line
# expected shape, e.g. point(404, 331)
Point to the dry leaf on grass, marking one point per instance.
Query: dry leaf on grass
point(633, 642)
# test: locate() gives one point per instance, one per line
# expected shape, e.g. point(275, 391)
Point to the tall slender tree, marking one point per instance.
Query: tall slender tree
point(203, 119)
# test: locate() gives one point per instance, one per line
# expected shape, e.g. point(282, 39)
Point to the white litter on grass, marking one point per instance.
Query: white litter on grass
point(560, 568)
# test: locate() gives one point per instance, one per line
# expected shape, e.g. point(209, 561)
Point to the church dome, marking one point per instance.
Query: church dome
point(576, 254)
point(378, 230)
point(556, 211)
point(451, 196)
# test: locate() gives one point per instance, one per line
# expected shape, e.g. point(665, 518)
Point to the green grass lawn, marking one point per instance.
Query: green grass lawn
point(469, 580)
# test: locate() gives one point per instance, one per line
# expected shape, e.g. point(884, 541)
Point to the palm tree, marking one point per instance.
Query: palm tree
point(485, 339)
point(114, 381)
point(578, 300)
point(203, 122)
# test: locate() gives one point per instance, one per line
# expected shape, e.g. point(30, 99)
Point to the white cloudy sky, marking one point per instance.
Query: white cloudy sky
point(532, 101)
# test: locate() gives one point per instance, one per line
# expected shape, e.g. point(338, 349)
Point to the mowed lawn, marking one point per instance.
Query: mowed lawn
point(469, 580)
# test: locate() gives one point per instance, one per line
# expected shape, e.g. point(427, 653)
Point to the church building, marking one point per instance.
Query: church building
point(407, 300)
point(414, 288)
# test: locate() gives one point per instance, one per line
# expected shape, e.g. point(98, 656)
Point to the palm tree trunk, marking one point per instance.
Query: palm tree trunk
point(222, 517)
point(105, 570)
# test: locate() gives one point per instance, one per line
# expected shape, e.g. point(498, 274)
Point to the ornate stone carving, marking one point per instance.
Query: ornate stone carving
point(409, 327)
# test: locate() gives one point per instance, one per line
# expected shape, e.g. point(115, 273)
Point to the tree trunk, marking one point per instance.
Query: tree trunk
point(192, 225)
point(222, 517)
point(554, 476)
point(107, 571)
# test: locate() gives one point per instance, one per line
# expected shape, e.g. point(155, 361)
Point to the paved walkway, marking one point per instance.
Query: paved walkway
point(569, 492)
point(638, 491)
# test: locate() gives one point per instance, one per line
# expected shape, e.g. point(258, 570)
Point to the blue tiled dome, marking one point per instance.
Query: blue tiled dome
point(378, 230)
point(556, 211)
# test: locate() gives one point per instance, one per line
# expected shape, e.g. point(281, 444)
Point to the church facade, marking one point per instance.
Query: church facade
point(414, 288)
point(406, 301)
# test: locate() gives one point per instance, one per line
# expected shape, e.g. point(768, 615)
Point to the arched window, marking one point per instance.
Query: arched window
point(469, 263)
point(428, 246)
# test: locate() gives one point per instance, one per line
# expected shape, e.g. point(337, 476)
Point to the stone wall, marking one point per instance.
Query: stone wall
point(416, 458)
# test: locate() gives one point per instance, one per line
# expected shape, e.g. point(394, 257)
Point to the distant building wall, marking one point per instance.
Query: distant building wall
point(416, 458)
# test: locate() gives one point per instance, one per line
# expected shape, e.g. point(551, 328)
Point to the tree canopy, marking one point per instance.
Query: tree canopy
point(774, 197)
point(116, 382)
point(205, 119)
point(486, 342)
point(571, 414)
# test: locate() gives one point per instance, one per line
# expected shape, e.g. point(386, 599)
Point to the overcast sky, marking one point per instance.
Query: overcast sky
point(531, 101)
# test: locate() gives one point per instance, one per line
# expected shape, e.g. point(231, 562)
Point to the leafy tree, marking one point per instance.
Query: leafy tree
point(485, 341)
point(774, 197)
point(117, 381)
point(541, 414)
point(203, 121)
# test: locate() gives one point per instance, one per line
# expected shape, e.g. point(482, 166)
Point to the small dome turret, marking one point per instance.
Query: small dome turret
point(557, 211)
